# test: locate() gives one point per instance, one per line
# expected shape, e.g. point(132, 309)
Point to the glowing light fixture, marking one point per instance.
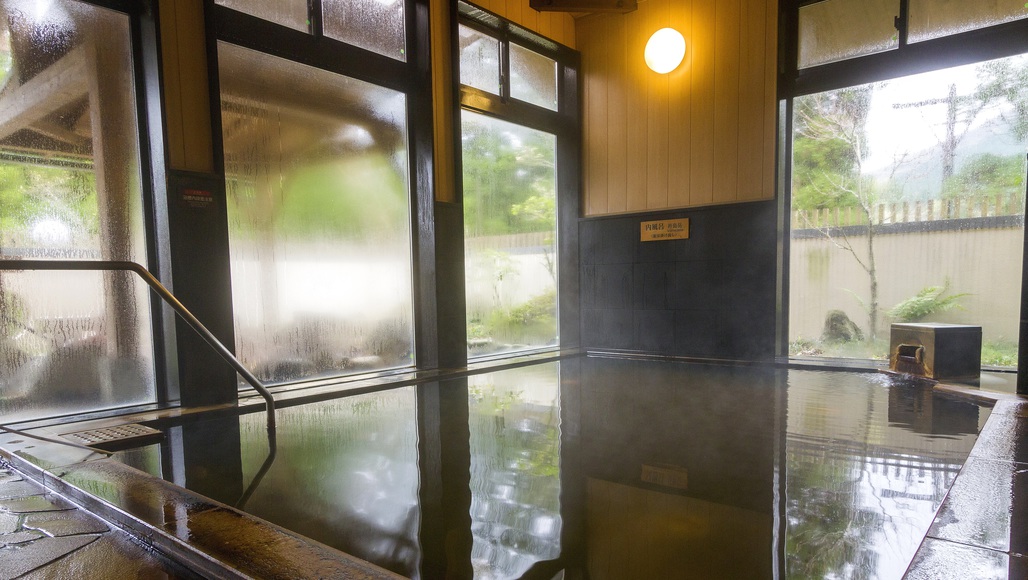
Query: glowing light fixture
point(665, 50)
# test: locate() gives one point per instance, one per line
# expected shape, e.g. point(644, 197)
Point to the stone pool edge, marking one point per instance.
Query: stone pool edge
point(207, 537)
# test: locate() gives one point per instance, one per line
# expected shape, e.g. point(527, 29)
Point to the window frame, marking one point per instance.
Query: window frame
point(411, 77)
point(564, 123)
point(988, 43)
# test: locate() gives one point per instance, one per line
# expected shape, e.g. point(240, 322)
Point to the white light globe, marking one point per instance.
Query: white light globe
point(665, 50)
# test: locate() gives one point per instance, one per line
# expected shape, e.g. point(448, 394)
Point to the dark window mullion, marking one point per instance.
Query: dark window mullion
point(903, 23)
point(315, 21)
point(504, 70)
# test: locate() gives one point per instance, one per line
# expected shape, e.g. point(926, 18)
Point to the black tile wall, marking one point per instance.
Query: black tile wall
point(712, 295)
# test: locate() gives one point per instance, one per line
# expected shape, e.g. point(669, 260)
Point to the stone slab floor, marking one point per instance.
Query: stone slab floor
point(44, 536)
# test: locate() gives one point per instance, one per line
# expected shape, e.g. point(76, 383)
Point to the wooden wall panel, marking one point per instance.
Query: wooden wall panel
point(703, 134)
point(559, 26)
point(636, 114)
point(186, 102)
point(726, 100)
point(701, 77)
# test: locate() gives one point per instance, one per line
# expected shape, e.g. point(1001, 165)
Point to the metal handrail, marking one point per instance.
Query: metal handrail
point(169, 299)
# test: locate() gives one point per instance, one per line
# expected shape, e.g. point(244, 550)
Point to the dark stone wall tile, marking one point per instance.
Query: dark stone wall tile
point(607, 328)
point(654, 330)
point(712, 295)
point(590, 238)
point(697, 333)
point(697, 285)
point(652, 282)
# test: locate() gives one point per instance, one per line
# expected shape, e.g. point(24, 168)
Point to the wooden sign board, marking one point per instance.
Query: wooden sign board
point(661, 230)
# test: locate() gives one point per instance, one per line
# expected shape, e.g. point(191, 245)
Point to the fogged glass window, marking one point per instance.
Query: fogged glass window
point(839, 29)
point(935, 18)
point(291, 13)
point(319, 218)
point(70, 188)
point(908, 201)
point(479, 60)
point(510, 235)
point(533, 77)
point(514, 421)
point(377, 25)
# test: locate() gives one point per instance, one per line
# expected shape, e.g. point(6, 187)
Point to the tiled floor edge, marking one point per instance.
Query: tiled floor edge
point(975, 395)
point(141, 532)
point(196, 558)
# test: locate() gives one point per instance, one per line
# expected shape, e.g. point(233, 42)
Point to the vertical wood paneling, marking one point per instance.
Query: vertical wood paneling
point(770, 100)
point(544, 25)
point(704, 133)
point(595, 118)
point(679, 121)
point(187, 106)
point(726, 100)
point(701, 177)
point(530, 18)
point(751, 100)
point(513, 10)
point(635, 101)
point(617, 121)
point(657, 117)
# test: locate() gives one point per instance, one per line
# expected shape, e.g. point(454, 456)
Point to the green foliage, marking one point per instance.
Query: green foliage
point(532, 322)
point(928, 301)
point(999, 353)
point(32, 192)
point(829, 144)
point(508, 181)
point(818, 167)
point(986, 176)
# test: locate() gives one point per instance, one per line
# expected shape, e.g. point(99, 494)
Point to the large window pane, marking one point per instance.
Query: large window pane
point(70, 188)
point(533, 77)
point(839, 29)
point(377, 25)
point(479, 60)
point(908, 201)
point(510, 235)
point(935, 18)
point(319, 218)
point(291, 13)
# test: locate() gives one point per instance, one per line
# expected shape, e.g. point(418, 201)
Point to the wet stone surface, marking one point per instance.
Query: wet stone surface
point(43, 534)
point(941, 560)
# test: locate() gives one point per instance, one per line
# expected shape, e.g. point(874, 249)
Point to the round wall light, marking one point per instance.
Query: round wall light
point(665, 50)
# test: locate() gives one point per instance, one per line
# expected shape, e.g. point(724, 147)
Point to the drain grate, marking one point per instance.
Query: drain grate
point(113, 438)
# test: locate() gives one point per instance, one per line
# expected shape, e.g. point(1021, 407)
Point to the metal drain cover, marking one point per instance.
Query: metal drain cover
point(113, 438)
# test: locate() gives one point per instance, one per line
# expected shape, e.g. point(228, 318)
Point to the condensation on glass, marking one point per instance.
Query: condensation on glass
point(479, 60)
point(376, 25)
point(908, 201)
point(510, 232)
point(514, 419)
point(835, 30)
point(935, 18)
point(290, 13)
point(533, 77)
point(319, 218)
point(70, 188)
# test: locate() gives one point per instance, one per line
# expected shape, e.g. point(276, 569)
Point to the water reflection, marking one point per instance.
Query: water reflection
point(515, 470)
point(867, 465)
point(604, 469)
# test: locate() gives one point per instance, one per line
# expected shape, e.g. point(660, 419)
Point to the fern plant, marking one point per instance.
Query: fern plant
point(928, 301)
